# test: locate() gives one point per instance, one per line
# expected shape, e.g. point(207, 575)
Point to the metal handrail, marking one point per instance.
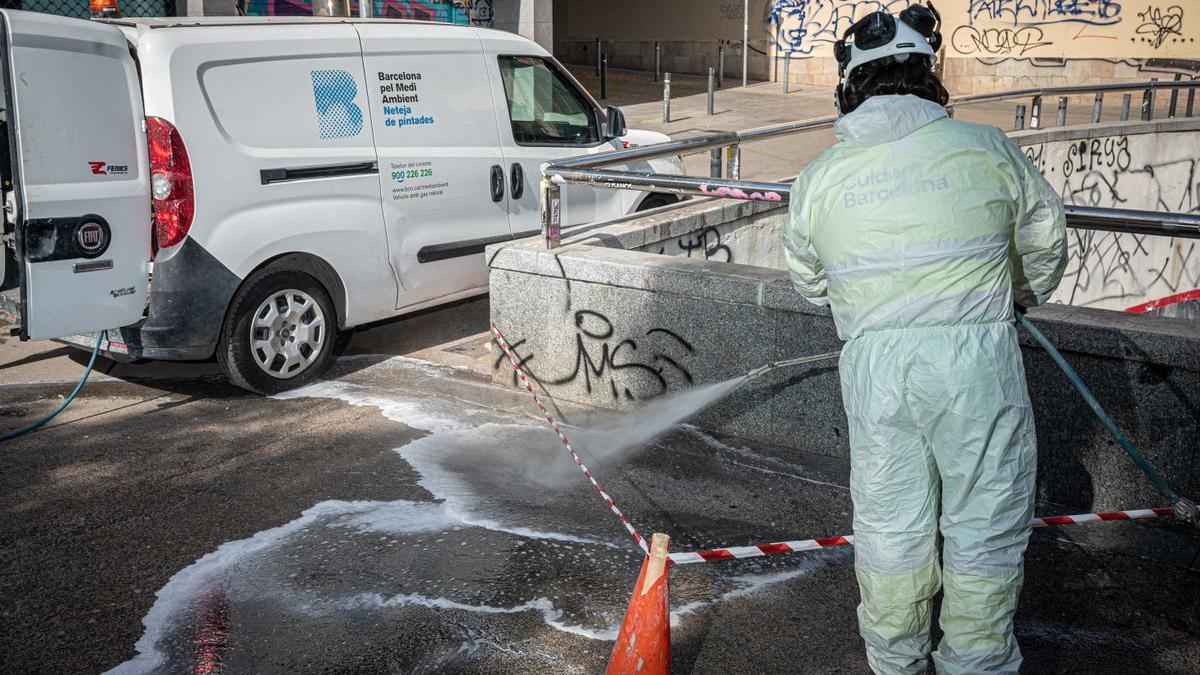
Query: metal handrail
point(1069, 90)
point(593, 171)
point(722, 139)
point(1161, 223)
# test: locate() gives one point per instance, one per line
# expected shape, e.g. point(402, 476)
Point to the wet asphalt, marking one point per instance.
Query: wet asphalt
point(406, 517)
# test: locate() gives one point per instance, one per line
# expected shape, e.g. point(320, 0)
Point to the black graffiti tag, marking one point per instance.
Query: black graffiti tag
point(968, 39)
point(708, 243)
point(1109, 153)
point(1158, 24)
point(601, 359)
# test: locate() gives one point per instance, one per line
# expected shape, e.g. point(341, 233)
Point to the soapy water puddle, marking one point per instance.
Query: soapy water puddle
point(512, 562)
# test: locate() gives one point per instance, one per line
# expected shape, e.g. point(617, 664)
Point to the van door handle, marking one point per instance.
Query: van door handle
point(497, 182)
point(517, 176)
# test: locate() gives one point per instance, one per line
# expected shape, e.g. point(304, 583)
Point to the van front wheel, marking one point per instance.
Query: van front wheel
point(279, 332)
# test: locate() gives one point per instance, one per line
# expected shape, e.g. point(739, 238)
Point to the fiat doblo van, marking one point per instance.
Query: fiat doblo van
point(253, 188)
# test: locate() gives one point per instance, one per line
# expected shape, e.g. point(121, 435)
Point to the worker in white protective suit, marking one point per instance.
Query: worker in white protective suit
point(920, 232)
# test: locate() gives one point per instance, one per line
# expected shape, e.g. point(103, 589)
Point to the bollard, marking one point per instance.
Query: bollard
point(1174, 97)
point(720, 64)
point(714, 163)
point(1125, 100)
point(667, 97)
point(787, 79)
point(604, 77)
point(551, 213)
point(733, 162)
point(1019, 122)
point(710, 90)
point(598, 50)
point(1096, 107)
point(1035, 113)
point(1061, 120)
point(1191, 103)
point(745, 37)
point(657, 60)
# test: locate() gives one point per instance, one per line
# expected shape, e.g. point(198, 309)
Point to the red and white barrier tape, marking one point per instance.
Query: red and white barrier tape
point(562, 437)
point(735, 552)
point(754, 551)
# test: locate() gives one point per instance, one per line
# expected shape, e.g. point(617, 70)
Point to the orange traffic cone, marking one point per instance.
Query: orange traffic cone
point(644, 643)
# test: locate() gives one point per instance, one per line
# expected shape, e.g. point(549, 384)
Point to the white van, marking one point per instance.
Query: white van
point(281, 180)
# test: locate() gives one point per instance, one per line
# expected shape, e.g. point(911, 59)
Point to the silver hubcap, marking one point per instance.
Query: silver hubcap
point(287, 334)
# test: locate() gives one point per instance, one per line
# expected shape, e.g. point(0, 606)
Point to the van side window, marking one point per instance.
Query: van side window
point(544, 107)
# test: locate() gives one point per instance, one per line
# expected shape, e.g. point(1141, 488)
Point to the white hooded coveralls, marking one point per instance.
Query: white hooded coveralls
point(919, 231)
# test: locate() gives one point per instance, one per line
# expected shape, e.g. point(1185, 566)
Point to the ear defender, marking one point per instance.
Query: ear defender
point(925, 20)
point(841, 53)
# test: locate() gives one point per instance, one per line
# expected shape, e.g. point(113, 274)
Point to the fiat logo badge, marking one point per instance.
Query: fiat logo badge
point(91, 237)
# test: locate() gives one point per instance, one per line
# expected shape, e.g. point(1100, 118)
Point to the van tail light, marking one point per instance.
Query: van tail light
point(170, 183)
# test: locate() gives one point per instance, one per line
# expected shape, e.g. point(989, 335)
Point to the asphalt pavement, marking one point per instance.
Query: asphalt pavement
point(406, 515)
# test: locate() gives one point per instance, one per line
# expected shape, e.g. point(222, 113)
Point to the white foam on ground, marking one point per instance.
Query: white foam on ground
point(399, 517)
point(450, 422)
point(190, 582)
point(752, 584)
point(550, 614)
point(449, 433)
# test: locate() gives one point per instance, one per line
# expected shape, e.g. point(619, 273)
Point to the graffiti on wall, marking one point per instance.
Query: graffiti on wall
point(974, 41)
point(1120, 270)
point(703, 244)
point(804, 27)
point(1005, 28)
point(1044, 12)
point(1159, 25)
point(628, 368)
point(479, 12)
point(442, 11)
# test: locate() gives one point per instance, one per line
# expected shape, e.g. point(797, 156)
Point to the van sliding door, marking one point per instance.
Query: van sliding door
point(445, 187)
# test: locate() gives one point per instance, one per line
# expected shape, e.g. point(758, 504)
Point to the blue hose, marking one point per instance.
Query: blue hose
point(1181, 505)
point(62, 406)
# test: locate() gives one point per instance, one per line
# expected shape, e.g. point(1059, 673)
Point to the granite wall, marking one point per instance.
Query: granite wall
point(613, 328)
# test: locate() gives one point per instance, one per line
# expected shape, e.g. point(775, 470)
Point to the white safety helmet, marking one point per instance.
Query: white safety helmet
point(880, 35)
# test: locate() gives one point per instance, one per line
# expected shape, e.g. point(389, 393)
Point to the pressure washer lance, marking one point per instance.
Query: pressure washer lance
point(1185, 509)
point(763, 370)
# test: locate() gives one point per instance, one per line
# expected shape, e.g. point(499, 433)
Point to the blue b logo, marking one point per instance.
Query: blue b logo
point(338, 116)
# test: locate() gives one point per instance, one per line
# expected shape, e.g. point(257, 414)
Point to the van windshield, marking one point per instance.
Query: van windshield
point(545, 109)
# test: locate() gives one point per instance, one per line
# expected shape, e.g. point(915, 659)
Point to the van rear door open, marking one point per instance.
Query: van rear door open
point(80, 205)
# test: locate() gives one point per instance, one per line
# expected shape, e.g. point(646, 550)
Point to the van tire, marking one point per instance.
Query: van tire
point(240, 362)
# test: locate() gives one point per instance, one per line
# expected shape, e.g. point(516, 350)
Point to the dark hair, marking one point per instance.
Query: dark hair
point(888, 76)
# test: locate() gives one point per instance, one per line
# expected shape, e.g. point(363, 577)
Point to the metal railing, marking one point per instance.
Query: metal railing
point(724, 179)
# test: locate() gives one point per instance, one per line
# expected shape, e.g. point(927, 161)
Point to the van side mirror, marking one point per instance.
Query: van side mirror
point(614, 125)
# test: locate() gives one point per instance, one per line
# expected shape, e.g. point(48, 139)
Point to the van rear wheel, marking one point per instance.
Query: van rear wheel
point(279, 333)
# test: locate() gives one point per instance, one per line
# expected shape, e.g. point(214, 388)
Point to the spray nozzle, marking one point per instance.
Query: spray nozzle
point(763, 370)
